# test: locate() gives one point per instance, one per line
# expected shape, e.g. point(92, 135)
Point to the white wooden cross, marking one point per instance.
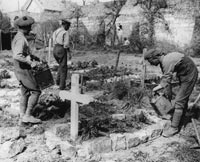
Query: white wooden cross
point(75, 97)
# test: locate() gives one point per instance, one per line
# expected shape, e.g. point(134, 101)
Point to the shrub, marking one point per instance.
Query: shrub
point(5, 24)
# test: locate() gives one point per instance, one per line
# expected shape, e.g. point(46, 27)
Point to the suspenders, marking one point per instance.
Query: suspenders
point(57, 36)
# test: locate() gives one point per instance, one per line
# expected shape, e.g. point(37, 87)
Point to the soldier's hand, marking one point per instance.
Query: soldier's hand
point(168, 92)
point(34, 64)
point(28, 59)
point(157, 88)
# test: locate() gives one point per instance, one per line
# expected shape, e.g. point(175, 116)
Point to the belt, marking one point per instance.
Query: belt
point(58, 44)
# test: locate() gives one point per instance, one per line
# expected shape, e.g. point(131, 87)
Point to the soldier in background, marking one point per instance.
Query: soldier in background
point(120, 34)
point(24, 61)
point(60, 51)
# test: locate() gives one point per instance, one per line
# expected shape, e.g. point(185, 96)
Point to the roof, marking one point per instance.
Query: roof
point(53, 5)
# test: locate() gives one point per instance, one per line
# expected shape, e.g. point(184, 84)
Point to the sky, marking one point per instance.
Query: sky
point(12, 5)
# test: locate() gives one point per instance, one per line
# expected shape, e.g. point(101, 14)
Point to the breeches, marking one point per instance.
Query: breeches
point(61, 57)
point(185, 91)
point(29, 99)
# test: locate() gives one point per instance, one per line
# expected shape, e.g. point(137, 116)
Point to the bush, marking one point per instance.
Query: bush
point(5, 24)
point(45, 29)
point(195, 43)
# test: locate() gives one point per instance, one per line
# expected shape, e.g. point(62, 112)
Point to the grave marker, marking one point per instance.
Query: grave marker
point(49, 51)
point(143, 68)
point(75, 97)
point(0, 41)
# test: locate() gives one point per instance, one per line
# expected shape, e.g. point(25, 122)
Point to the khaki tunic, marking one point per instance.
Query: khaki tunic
point(21, 50)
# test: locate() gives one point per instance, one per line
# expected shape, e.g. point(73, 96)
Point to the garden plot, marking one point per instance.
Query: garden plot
point(117, 109)
point(122, 131)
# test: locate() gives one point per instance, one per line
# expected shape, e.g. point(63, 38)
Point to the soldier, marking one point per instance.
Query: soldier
point(120, 34)
point(187, 74)
point(24, 61)
point(60, 51)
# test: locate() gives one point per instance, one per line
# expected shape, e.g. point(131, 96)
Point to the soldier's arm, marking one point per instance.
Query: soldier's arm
point(19, 53)
point(66, 44)
point(168, 70)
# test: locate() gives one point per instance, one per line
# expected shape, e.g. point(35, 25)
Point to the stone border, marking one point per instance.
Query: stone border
point(112, 143)
point(121, 141)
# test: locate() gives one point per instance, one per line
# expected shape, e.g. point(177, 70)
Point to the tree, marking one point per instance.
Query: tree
point(77, 14)
point(74, 11)
point(5, 24)
point(114, 8)
point(152, 13)
point(84, 2)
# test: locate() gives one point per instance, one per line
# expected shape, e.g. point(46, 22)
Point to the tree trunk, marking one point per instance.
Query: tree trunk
point(151, 31)
point(77, 32)
point(113, 36)
point(114, 27)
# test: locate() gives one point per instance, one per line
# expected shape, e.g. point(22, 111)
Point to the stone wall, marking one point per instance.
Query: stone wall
point(180, 17)
point(180, 31)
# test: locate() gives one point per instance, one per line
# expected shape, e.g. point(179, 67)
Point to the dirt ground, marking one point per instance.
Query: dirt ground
point(174, 149)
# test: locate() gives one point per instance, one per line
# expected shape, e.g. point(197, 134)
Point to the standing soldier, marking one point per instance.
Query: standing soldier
point(24, 61)
point(187, 74)
point(120, 34)
point(60, 52)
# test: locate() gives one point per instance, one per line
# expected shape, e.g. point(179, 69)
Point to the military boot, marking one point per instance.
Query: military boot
point(30, 119)
point(174, 128)
point(170, 131)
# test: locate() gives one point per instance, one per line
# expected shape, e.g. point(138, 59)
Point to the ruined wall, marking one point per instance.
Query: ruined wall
point(180, 31)
point(49, 15)
point(89, 29)
point(181, 20)
point(180, 17)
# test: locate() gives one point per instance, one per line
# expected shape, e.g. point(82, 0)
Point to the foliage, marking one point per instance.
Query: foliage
point(44, 30)
point(115, 8)
point(136, 43)
point(96, 120)
point(5, 24)
point(152, 13)
point(195, 43)
point(83, 65)
point(184, 154)
point(4, 74)
point(50, 106)
point(74, 11)
point(120, 90)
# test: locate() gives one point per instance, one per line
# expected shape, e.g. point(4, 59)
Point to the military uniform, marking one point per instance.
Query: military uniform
point(30, 91)
point(61, 44)
point(187, 74)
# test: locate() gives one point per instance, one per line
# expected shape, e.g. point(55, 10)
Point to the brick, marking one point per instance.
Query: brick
point(62, 131)
point(119, 116)
point(99, 145)
point(154, 131)
point(133, 142)
point(67, 150)
point(136, 138)
point(118, 142)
